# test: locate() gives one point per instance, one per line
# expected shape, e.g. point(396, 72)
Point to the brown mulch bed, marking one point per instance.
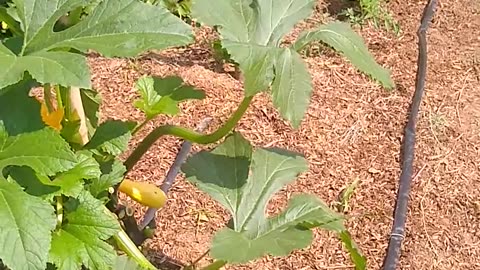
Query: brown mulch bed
point(352, 130)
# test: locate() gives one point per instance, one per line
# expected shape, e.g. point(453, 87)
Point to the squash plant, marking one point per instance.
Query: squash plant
point(58, 164)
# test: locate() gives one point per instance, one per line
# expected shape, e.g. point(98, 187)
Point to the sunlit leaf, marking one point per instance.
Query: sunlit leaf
point(252, 32)
point(162, 95)
point(243, 182)
point(47, 153)
point(26, 223)
point(112, 28)
point(340, 36)
point(81, 241)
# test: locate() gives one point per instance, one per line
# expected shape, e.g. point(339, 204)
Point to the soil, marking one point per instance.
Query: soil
point(352, 130)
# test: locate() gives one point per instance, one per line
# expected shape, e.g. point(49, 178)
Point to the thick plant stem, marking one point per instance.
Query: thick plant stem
point(59, 98)
point(77, 105)
point(126, 245)
point(186, 134)
point(139, 127)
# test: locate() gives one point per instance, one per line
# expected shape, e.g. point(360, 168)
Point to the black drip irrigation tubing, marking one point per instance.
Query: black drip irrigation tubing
point(408, 145)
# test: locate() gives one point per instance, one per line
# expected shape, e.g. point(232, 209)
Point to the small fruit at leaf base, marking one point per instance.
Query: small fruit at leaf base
point(53, 119)
point(4, 25)
point(144, 193)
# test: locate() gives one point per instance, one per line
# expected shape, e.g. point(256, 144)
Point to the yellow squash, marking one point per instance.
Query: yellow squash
point(145, 193)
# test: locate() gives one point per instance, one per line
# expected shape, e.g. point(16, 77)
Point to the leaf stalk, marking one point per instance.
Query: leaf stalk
point(186, 134)
point(47, 96)
point(126, 245)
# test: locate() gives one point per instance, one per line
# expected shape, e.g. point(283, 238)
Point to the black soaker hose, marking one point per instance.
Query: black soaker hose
point(408, 146)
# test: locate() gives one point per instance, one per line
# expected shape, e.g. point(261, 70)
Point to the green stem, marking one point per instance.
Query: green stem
point(186, 134)
point(138, 127)
point(216, 265)
point(125, 244)
point(47, 96)
point(59, 97)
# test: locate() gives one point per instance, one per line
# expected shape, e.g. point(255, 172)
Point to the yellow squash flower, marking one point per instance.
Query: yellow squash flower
point(52, 119)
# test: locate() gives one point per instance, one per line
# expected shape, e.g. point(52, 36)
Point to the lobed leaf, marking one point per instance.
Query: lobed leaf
point(112, 28)
point(340, 36)
point(26, 222)
point(243, 182)
point(81, 240)
point(260, 22)
point(69, 183)
point(278, 235)
point(111, 22)
point(61, 68)
point(47, 153)
point(252, 31)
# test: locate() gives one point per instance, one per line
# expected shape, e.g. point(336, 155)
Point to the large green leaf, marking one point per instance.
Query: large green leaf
point(26, 223)
point(162, 95)
point(112, 28)
point(112, 22)
point(71, 182)
point(292, 87)
point(82, 239)
point(340, 36)
point(219, 181)
point(46, 67)
point(111, 137)
point(47, 153)
point(256, 62)
point(279, 235)
point(244, 183)
point(252, 31)
point(262, 22)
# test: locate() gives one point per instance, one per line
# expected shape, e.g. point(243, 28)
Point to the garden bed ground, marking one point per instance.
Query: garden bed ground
point(353, 130)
